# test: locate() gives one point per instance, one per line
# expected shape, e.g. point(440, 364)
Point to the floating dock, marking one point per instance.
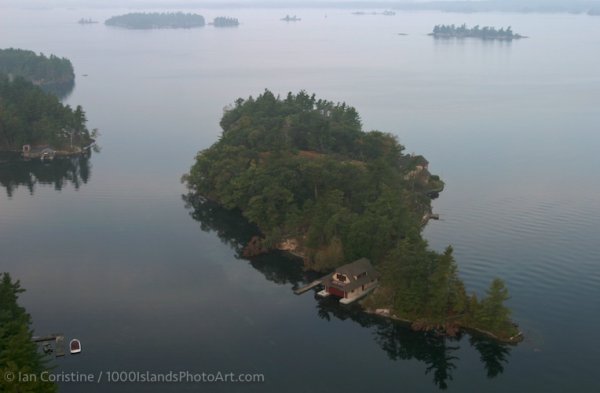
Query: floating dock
point(323, 293)
point(353, 299)
point(60, 346)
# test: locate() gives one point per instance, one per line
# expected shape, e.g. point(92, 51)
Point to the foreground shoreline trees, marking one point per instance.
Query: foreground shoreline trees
point(18, 353)
point(303, 170)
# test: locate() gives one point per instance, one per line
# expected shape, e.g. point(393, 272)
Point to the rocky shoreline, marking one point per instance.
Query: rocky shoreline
point(291, 246)
point(454, 330)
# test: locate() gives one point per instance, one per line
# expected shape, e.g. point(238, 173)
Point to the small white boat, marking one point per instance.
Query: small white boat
point(75, 346)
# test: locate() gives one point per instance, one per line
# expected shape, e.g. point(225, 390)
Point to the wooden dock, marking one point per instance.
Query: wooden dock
point(50, 337)
point(307, 287)
point(57, 338)
point(60, 346)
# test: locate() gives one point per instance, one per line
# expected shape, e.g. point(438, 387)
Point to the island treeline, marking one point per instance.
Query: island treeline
point(486, 32)
point(155, 20)
point(18, 353)
point(291, 18)
point(86, 21)
point(317, 185)
point(38, 69)
point(224, 21)
point(28, 115)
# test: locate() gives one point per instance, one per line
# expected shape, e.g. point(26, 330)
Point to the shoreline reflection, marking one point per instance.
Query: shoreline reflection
point(59, 173)
point(438, 353)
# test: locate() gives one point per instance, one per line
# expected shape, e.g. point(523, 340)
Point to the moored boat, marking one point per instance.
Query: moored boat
point(75, 346)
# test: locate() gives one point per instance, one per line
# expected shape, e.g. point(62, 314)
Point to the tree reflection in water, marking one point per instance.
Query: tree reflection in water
point(492, 354)
point(58, 173)
point(438, 353)
point(399, 341)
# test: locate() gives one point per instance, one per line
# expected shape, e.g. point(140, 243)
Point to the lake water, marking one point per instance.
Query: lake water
point(109, 253)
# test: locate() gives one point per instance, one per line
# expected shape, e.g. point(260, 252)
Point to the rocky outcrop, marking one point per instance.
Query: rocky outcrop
point(255, 247)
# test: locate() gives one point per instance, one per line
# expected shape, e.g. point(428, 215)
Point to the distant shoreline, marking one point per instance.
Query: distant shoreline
point(488, 33)
point(579, 7)
point(450, 36)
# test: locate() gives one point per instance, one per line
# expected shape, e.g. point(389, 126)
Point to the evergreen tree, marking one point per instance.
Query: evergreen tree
point(492, 314)
point(18, 353)
point(447, 293)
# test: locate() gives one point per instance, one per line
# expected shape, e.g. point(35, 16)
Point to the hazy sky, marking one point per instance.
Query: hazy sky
point(297, 3)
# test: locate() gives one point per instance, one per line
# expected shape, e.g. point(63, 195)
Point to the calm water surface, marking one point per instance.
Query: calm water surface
point(109, 252)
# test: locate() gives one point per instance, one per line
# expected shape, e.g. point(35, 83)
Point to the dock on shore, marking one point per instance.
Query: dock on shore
point(307, 287)
point(58, 339)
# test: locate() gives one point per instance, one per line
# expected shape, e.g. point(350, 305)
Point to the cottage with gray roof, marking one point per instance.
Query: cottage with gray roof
point(350, 282)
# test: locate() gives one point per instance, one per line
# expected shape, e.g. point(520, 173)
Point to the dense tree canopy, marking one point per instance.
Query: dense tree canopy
point(28, 115)
point(224, 21)
point(486, 32)
point(155, 20)
point(18, 353)
point(303, 169)
point(38, 69)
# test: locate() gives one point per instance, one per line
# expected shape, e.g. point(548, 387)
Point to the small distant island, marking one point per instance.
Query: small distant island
point(319, 187)
point(140, 20)
point(224, 21)
point(386, 13)
point(36, 124)
point(87, 21)
point(291, 18)
point(47, 72)
point(485, 33)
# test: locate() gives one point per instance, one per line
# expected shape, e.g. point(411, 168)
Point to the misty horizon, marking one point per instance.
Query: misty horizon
point(446, 5)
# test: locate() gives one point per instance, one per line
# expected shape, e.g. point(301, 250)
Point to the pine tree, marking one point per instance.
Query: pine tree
point(18, 353)
point(492, 314)
point(447, 293)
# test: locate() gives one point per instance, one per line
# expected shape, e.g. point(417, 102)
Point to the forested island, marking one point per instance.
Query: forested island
point(291, 18)
point(485, 33)
point(47, 72)
point(88, 21)
point(386, 13)
point(30, 116)
point(224, 21)
point(155, 20)
point(321, 188)
point(18, 353)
